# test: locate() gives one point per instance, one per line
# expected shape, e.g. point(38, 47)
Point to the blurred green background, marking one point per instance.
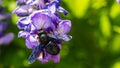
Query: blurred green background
point(95, 43)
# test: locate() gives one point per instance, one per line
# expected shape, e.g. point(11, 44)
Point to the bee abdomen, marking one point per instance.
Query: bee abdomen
point(52, 48)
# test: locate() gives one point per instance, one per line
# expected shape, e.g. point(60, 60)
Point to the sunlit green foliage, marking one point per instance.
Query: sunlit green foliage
point(95, 43)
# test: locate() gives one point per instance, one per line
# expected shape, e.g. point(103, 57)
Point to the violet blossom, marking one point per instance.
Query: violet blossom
point(4, 38)
point(44, 16)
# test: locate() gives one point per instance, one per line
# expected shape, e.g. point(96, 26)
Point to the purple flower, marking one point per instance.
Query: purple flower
point(42, 21)
point(4, 38)
point(43, 15)
point(27, 7)
point(21, 2)
point(55, 6)
point(23, 10)
point(39, 20)
point(4, 16)
point(39, 4)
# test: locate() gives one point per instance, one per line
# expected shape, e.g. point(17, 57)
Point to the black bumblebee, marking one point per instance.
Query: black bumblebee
point(47, 43)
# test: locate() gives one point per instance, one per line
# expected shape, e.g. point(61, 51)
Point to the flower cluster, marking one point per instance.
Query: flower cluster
point(4, 38)
point(37, 15)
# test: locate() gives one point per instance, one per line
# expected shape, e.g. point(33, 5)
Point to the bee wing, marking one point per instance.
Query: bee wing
point(60, 38)
point(35, 53)
point(65, 37)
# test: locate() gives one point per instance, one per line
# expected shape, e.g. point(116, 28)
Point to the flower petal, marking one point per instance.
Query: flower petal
point(6, 39)
point(21, 2)
point(46, 58)
point(62, 10)
point(52, 7)
point(31, 42)
point(23, 10)
point(56, 58)
point(23, 22)
point(64, 27)
point(46, 1)
point(23, 34)
point(65, 37)
point(32, 29)
point(39, 4)
point(60, 46)
point(42, 21)
point(4, 16)
point(3, 26)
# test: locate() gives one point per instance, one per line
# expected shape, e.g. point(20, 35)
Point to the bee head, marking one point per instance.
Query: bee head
point(43, 37)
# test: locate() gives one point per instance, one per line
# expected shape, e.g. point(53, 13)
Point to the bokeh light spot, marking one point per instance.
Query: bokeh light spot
point(78, 7)
point(105, 25)
point(116, 65)
point(97, 4)
point(115, 10)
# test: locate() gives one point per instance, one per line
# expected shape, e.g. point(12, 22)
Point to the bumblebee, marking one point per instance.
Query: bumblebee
point(47, 43)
